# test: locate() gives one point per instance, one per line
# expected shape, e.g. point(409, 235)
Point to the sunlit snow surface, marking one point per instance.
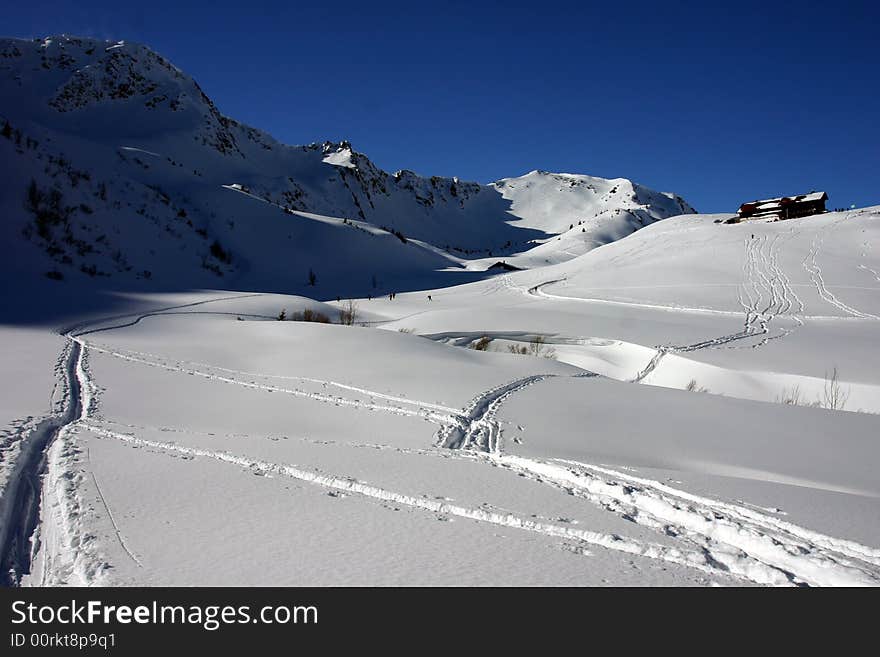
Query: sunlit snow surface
point(219, 446)
point(680, 435)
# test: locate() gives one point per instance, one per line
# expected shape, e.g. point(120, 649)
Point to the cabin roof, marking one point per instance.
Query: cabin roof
point(776, 203)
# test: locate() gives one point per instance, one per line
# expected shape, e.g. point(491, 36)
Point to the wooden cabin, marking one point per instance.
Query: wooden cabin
point(785, 207)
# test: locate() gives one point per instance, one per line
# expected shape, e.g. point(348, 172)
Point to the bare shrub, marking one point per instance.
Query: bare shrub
point(791, 396)
point(692, 386)
point(482, 344)
point(539, 347)
point(349, 313)
point(309, 315)
point(834, 397)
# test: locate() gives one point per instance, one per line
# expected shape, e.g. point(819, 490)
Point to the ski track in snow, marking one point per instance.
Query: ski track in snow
point(481, 427)
point(765, 294)
point(692, 558)
point(815, 271)
point(66, 555)
point(135, 428)
point(423, 410)
point(113, 522)
point(737, 539)
point(538, 291)
point(743, 541)
point(432, 412)
point(874, 272)
point(725, 538)
point(69, 556)
point(207, 369)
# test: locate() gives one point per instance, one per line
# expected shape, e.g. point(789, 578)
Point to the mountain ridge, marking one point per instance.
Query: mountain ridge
point(115, 154)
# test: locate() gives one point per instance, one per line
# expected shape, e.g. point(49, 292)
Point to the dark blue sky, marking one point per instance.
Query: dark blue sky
point(719, 104)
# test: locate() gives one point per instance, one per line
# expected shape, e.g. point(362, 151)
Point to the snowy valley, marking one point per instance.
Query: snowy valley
point(553, 379)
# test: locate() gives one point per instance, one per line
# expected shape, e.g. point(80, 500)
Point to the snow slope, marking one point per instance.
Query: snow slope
point(141, 183)
point(689, 403)
point(390, 453)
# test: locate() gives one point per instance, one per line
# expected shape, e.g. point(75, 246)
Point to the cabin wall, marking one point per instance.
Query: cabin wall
point(805, 209)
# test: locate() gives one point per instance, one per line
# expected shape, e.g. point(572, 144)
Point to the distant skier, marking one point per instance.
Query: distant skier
point(429, 297)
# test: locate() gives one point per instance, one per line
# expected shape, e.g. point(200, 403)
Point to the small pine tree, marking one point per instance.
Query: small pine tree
point(7, 130)
point(34, 196)
point(312, 278)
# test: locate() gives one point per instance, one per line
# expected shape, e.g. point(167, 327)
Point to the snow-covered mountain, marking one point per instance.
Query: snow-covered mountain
point(693, 404)
point(118, 167)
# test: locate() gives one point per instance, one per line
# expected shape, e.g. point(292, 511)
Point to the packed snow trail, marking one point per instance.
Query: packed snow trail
point(480, 428)
point(743, 541)
point(79, 329)
point(21, 496)
point(735, 536)
point(651, 366)
point(538, 291)
point(63, 551)
point(22, 501)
